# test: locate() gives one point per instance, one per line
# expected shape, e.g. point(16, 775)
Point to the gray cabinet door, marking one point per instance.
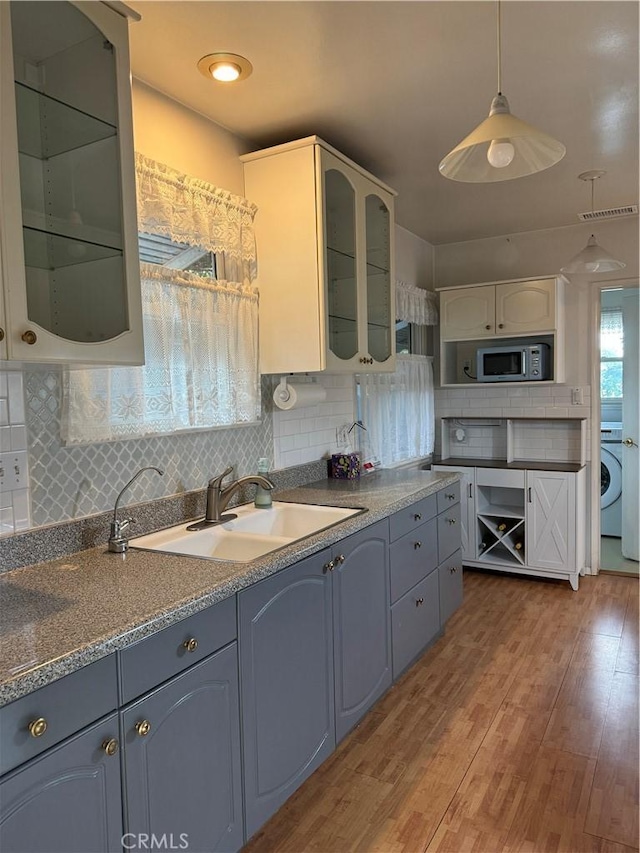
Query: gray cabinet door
point(451, 592)
point(182, 778)
point(286, 666)
point(66, 801)
point(362, 638)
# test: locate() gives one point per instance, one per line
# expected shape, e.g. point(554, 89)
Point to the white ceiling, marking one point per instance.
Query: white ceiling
point(395, 85)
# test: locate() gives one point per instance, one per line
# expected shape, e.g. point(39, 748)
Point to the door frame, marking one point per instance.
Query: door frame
point(594, 322)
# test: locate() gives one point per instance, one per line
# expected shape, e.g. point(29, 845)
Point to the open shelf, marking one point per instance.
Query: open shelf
point(502, 543)
point(48, 127)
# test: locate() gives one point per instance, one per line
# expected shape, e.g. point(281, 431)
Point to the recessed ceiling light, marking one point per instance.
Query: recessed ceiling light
point(225, 67)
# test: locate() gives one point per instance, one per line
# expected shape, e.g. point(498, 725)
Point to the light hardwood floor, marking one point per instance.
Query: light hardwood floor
point(516, 731)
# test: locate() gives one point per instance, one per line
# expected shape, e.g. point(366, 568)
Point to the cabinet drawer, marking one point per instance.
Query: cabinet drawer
point(412, 516)
point(448, 496)
point(500, 477)
point(450, 580)
point(448, 532)
point(155, 659)
point(413, 557)
point(415, 620)
point(66, 706)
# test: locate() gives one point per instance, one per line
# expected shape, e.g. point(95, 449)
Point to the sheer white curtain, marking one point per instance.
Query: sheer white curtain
point(200, 331)
point(398, 410)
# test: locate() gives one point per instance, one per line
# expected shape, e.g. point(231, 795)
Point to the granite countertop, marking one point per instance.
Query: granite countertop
point(518, 465)
point(61, 615)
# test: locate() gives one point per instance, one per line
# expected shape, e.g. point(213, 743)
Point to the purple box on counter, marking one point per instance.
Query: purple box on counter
point(345, 466)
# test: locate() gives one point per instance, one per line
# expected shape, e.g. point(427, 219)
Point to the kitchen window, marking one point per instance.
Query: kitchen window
point(611, 354)
point(200, 316)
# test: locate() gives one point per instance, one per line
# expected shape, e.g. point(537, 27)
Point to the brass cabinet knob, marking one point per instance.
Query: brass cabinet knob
point(37, 727)
point(190, 645)
point(328, 567)
point(417, 516)
point(419, 601)
point(29, 337)
point(1, 334)
point(110, 746)
point(417, 545)
point(488, 326)
point(143, 727)
point(629, 442)
point(501, 325)
point(362, 360)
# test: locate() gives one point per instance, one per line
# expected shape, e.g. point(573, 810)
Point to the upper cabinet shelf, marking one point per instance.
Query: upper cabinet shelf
point(48, 127)
point(69, 271)
point(325, 234)
point(499, 314)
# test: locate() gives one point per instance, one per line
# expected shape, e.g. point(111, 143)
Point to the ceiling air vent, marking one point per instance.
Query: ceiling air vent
point(610, 213)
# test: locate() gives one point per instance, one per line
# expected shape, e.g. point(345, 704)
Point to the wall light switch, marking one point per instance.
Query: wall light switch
point(577, 397)
point(13, 471)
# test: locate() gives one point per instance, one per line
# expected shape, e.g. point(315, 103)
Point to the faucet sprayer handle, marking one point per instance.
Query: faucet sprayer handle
point(216, 482)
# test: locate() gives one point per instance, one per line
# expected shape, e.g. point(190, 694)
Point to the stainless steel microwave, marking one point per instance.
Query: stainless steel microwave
point(514, 363)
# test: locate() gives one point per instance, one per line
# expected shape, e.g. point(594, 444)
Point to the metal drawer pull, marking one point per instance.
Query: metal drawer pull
point(453, 569)
point(37, 727)
point(417, 516)
point(328, 567)
point(450, 497)
point(451, 521)
point(529, 494)
point(339, 560)
point(419, 601)
point(417, 545)
point(190, 645)
point(110, 746)
point(143, 727)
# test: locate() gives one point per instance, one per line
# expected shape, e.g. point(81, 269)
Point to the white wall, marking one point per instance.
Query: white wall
point(414, 259)
point(173, 134)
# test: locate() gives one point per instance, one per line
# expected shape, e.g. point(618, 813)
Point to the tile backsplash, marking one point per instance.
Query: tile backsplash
point(15, 508)
point(486, 405)
point(309, 433)
point(66, 483)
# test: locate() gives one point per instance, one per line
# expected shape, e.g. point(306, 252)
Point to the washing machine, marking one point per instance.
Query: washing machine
point(611, 479)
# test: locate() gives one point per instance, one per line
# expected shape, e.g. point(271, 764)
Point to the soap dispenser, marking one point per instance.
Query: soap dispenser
point(263, 496)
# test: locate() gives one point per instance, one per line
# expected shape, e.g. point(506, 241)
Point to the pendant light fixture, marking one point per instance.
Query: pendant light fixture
point(502, 147)
point(593, 258)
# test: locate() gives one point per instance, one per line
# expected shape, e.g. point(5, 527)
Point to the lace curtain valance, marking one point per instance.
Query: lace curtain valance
point(191, 211)
point(415, 305)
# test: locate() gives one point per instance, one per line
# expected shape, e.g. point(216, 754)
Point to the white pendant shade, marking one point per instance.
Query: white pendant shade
point(533, 150)
point(592, 259)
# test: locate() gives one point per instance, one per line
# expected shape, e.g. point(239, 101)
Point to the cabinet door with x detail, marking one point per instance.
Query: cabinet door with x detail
point(550, 520)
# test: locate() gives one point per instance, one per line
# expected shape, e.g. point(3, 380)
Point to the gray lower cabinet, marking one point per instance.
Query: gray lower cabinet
point(450, 578)
point(286, 666)
point(181, 747)
point(68, 800)
point(415, 622)
point(361, 618)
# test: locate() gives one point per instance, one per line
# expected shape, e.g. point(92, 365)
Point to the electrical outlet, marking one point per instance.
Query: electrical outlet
point(576, 397)
point(466, 364)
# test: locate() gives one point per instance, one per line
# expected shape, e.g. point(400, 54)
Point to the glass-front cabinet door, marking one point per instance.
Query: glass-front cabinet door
point(341, 272)
point(358, 252)
point(78, 296)
point(380, 291)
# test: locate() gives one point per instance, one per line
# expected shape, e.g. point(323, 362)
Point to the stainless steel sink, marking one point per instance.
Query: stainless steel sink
point(252, 534)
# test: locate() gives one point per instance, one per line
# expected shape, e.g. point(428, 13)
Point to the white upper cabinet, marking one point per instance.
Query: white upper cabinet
point(324, 232)
point(68, 226)
point(493, 310)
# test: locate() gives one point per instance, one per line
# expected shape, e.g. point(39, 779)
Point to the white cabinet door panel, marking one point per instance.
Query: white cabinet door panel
point(550, 520)
point(526, 307)
point(467, 313)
